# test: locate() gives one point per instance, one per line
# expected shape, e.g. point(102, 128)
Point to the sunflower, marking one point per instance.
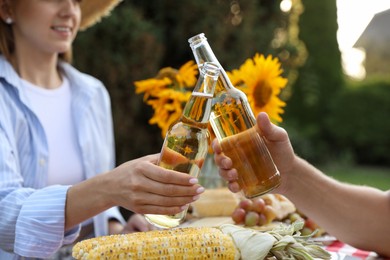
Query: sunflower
point(260, 79)
point(168, 92)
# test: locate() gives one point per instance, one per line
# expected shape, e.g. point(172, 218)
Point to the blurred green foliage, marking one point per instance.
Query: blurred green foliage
point(319, 82)
point(377, 177)
point(360, 123)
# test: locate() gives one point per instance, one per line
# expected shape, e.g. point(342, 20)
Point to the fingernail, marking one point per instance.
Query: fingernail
point(193, 180)
point(200, 190)
point(196, 197)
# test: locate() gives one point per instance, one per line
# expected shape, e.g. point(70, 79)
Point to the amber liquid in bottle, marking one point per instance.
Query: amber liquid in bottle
point(186, 144)
point(233, 123)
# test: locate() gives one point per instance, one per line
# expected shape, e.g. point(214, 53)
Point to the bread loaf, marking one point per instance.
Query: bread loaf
point(215, 203)
point(280, 204)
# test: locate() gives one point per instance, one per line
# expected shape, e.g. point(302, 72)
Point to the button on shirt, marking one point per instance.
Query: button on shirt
point(32, 214)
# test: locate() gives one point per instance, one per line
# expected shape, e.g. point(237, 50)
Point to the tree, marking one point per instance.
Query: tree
point(319, 81)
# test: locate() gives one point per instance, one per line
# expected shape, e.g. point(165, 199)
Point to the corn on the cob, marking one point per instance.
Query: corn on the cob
point(179, 243)
point(225, 242)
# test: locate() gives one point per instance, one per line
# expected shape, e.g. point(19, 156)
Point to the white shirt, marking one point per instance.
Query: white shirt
point(53, 109)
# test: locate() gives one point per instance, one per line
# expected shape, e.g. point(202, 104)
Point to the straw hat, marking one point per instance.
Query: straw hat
point(92, 11)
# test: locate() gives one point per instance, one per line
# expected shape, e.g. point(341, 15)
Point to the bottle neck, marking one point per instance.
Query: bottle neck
point(197, 112)
point(203, 53)
point(198, 108)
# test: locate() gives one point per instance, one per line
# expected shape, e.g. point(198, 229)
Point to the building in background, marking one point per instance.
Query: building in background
point(374, 41)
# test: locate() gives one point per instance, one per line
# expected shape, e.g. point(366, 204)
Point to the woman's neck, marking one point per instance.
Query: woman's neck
point(41, 71)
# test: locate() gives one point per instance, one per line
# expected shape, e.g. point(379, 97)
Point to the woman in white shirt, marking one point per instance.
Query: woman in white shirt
point(56, 139)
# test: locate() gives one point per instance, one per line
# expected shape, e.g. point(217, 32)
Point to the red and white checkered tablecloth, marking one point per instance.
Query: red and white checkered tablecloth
point(342, 251)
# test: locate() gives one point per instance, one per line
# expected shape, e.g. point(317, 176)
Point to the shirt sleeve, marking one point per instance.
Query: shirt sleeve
point(34, 221)
point(40, 224)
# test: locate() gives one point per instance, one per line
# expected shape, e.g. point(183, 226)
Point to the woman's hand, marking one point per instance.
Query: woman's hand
point(278, 144)
point(143, 187)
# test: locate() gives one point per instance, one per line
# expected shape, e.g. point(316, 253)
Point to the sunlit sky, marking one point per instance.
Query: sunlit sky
point(353, 17)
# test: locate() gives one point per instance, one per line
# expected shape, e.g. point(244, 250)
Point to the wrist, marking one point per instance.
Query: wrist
point(103, 189)
point(302, 179)
point(288, 172)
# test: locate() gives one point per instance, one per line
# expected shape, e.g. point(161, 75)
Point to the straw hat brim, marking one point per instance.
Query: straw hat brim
point(92, 11)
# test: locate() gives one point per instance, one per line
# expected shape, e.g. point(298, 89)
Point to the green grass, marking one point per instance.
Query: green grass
point(362, 175)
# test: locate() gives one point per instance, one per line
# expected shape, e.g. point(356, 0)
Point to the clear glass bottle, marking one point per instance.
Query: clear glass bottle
point(186, 143)
point(234, 125)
